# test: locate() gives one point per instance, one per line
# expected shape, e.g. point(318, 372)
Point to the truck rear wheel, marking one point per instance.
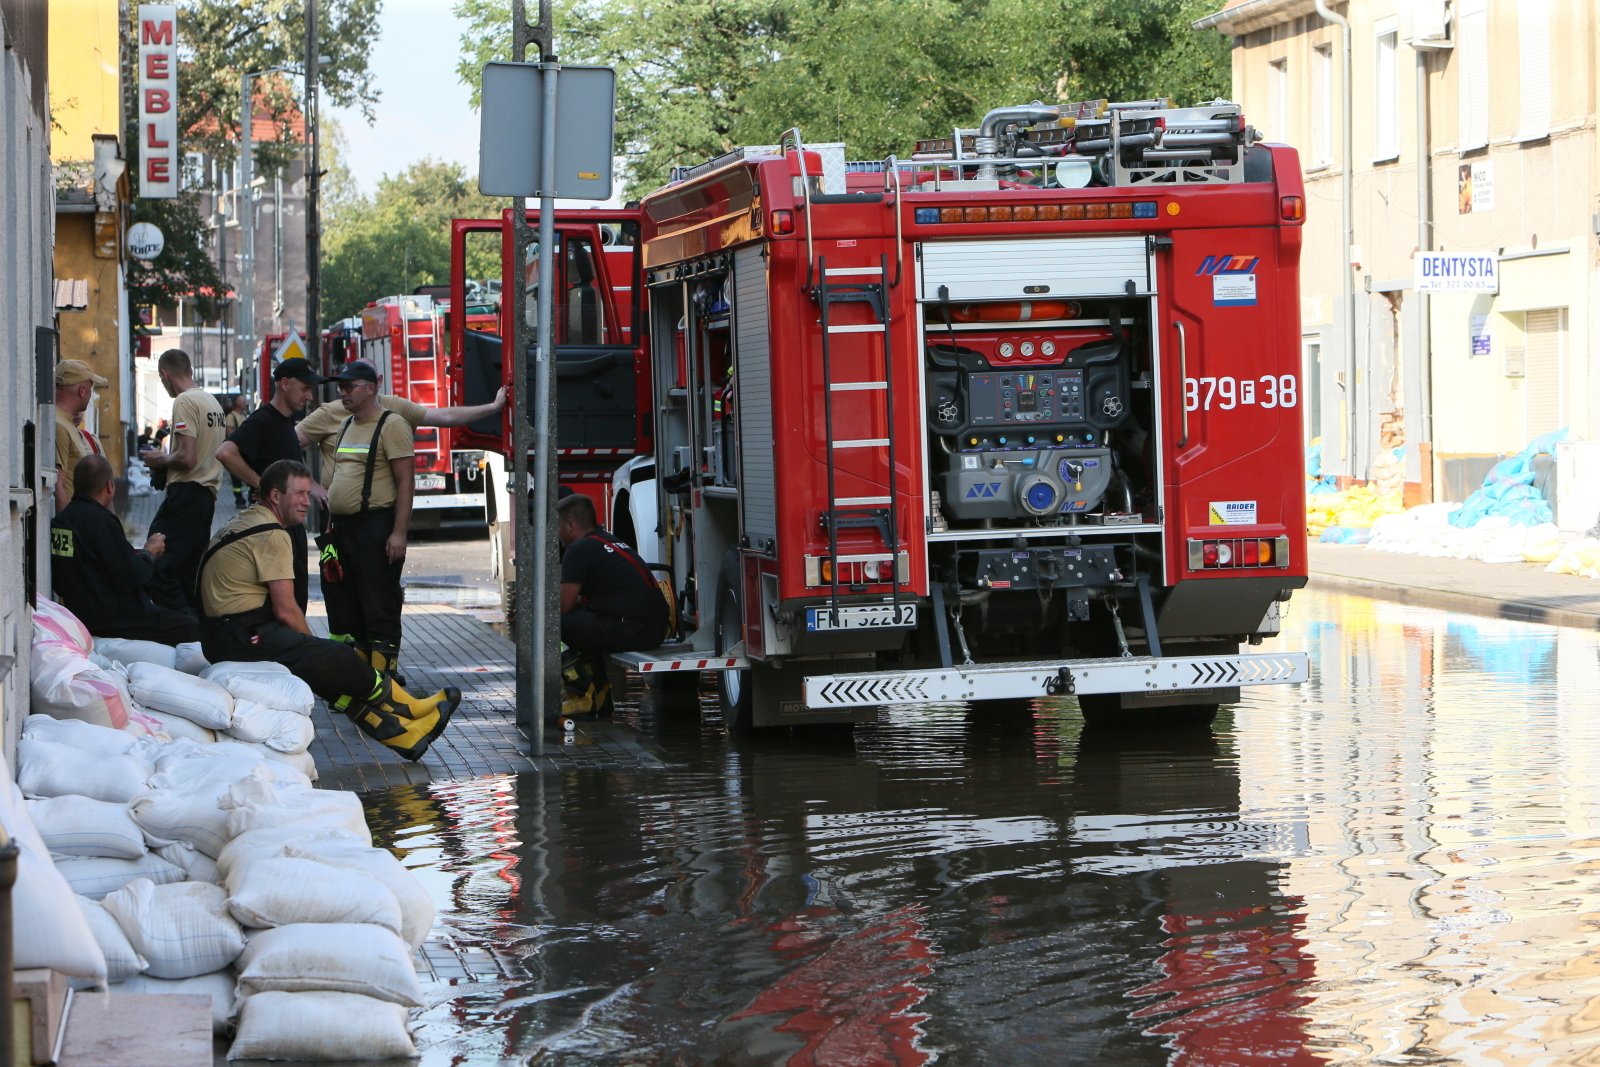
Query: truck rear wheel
point(735, 691)
point(1104, 711)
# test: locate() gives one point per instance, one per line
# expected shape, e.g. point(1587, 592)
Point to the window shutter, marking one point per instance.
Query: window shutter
point(1533, 48)
point(1472, 81)
point(1543, 381)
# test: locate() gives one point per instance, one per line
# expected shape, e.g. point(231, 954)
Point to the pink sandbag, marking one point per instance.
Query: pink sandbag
point(52, 622)
point(66, 685)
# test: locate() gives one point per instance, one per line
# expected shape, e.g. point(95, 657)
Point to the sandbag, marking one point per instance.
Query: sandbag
point(330, 957)
point(302, 762)
point(184, 929)
point(79, 826)
point(188, 658)
point(178, 728)
point(84, 736)
point(257, 802)
point(285, 890)
point(320, 1026)
point(128, 652)
point(381, 866)
point(282, 691)
point(47, 926)
point(53, 622)
point(218, 986)
point(198, 866)
point(183, 815)
point(51, 769)
point(95, 877)
point(165, 689)
point(65, 684)
point(217, 671)
point(189, 765)
point(269, 841)
point(122, 961)
point(279, 729)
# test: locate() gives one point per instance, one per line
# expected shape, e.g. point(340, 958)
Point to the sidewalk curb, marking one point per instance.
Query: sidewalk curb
point(1450, 600)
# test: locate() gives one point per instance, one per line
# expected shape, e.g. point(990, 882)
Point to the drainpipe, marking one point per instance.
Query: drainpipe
point(1424, 244)
point(1347, 222)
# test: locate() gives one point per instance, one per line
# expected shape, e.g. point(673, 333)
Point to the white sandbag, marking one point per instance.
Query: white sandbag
point(380, 865)
point(183, 815)
point(188, 765)
point(183, 929)
point(79, 826)
point(188, 658)
point(271, 841)
point(198, 866)
point(178, 728)
point(47, 926)
point(128, 652)
point(101, 661)
point(320, 1026)
point(65, 684)
point(52, 769)
point(298, 761)
point(140, 724)
point(95, 877)
point(86, 737)
point(279, 729)
point(122, 961)
point(52, 622)
point(257, 802)
point(220, 670)
point(282, 691)
point(330, 957)
point(218, 986)
point(165, 689)
point(285, 890)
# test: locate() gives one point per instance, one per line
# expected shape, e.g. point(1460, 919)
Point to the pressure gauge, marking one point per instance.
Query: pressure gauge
point(1047, 348)
point(1007, 350)
point(1027, 348)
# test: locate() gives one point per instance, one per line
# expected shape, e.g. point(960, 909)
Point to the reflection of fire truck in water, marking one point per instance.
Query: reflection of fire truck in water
point(1017, 418)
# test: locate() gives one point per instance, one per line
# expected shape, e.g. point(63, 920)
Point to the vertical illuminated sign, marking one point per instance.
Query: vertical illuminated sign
point(158, 100)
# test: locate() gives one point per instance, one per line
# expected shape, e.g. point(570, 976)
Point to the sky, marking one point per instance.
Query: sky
point(423, 109)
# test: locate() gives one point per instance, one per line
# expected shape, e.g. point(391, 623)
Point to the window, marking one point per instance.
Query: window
point(1312, 377)
point(1278, 100)
point(1533, 50)
point(1385, 124)
point(1472, 74)
point(1322, 105)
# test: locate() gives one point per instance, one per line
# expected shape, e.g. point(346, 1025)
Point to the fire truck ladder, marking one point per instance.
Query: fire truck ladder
point(858, 285)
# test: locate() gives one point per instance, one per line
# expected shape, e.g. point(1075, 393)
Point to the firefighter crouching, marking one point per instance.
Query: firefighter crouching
point(246, 593)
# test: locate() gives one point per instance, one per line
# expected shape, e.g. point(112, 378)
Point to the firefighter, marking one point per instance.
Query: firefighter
point(610, 602)
point(75, 385)
point(249, 613)
point(235, 419)
point(193, 478)
point(98, 575)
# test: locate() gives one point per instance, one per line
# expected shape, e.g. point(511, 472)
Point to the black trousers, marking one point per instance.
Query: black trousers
point(331, 670)
point(161, 625)
point(366, 603)
point(185, 519)
point(591, 632)
point(302, 575)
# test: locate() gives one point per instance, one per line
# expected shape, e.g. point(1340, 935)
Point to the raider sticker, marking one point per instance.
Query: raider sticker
point(1233, 512)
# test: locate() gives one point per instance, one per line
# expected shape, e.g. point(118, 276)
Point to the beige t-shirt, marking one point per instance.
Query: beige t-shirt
point(350, 462)
point(196, 413)
point(235, 579)
point(72, 444)
point(321, 427)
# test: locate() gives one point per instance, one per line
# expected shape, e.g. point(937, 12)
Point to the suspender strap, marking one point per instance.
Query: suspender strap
point(223, 542)
point(372, 454)
point(623, 551)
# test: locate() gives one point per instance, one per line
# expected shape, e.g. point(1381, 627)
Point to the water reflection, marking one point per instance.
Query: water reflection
point(1392, 864)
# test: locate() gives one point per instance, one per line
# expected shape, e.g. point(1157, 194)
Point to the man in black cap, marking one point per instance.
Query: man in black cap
point(266, 436)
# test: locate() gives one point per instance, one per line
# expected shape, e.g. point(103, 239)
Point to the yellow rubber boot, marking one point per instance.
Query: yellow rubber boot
point(381, 718)
point(417, 707)
point(385, 658)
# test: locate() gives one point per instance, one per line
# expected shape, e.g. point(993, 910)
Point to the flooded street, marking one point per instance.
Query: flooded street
point(1394, 864)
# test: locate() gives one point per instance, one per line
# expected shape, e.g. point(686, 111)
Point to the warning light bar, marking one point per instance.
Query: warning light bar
point(1232, 553)
point(1118, 209)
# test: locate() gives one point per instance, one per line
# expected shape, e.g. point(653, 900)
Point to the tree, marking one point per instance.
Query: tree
point(698, 77)
point(400, 238)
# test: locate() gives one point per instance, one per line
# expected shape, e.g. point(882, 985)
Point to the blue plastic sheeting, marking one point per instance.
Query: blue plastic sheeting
point(1346, 535)
point(1508, 490)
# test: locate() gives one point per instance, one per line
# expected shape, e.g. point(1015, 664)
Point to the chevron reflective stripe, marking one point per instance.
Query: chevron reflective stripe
point(1139, 674)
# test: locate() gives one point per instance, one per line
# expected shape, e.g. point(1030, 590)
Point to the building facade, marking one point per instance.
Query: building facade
point(1462, 138)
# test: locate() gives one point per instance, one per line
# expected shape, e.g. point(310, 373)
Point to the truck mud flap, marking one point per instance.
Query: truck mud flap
point(1000, 681)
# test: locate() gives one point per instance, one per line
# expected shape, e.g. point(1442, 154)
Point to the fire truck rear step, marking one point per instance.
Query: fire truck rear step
point(670, 658)
point(999, 681)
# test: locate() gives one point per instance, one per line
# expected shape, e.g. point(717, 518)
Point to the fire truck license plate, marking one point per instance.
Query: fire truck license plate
point(430, 482)
point(866, 617)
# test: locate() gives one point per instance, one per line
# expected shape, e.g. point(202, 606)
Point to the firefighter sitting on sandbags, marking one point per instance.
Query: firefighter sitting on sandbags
point(246, 590)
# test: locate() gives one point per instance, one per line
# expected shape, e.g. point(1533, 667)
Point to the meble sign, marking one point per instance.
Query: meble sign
point(1457, 272)
point(158, 100)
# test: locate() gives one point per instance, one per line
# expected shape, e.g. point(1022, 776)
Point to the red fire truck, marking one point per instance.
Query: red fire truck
point(1016, 418)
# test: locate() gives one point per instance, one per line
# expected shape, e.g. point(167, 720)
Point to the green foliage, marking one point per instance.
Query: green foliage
point(698, 77)
point(400, 237)
point(184, 268)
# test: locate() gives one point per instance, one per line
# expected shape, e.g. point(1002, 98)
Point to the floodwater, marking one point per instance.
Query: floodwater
point(1397, 863)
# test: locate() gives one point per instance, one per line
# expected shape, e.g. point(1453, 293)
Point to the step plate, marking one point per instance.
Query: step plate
point(1141, 674)
point(657, 663)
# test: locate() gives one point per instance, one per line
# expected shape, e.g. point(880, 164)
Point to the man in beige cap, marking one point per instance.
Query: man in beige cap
point(75, 384)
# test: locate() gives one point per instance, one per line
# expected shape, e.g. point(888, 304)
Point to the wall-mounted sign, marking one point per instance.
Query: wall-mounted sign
point(158, 100)
point(1474, 187)
point(145, 241)
point(1457, 272)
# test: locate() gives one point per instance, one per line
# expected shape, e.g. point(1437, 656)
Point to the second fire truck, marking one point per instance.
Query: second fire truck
point(1018, 417)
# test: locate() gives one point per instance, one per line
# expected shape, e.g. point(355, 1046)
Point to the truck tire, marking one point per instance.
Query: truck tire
point(735, 689)
point(1104, 711)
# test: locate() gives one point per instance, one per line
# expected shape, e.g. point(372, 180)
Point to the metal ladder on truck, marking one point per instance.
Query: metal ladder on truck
point(832, 287)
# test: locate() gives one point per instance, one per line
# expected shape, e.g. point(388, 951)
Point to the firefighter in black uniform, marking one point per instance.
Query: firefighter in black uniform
point(247, 596)
point(610, 602)
point(98, 575)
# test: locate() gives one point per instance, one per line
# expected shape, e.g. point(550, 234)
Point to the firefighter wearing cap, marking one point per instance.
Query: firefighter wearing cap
point(267, 435)
point(75, 385)
point(249, 613)
point(321, 430)
point(193, 478)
